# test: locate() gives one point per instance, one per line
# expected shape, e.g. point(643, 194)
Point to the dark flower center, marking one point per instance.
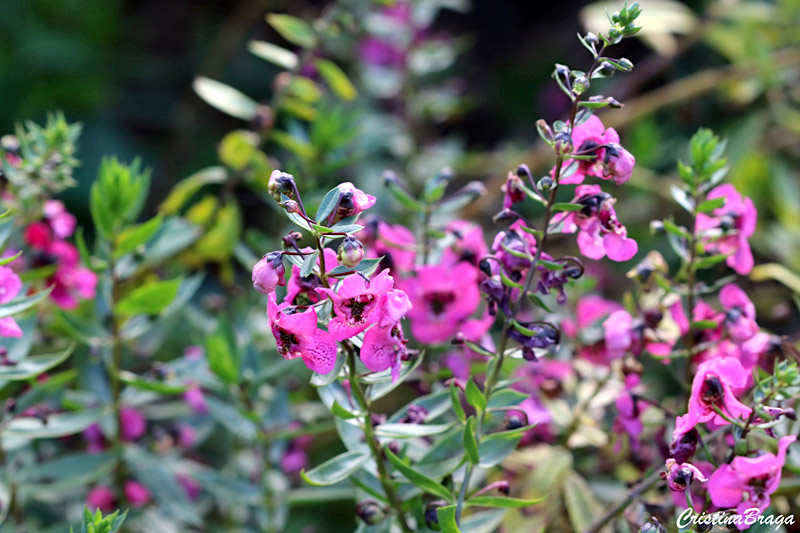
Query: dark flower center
point(438, 301)
point(712, 391)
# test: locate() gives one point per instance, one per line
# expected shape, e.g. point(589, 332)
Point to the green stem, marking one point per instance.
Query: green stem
point(114, 367)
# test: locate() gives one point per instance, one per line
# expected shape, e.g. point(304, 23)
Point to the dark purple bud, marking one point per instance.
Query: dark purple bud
point(370, 512)
point(431, 517)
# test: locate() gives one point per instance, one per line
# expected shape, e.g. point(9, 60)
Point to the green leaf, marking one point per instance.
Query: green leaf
point(327, 205)
point(710, 261)
point(238, 148)
point(417, 478)
point(470, 443)
point(231, 419)
point(447, 519)
point(337, 80)
point(474, 395)
point(335, 470)
point(33, 366)
point(138, 382)
point(456, 400)
point(188, 187)
point(705, 324)
point(308, 264)
point(132, 237)
point(407, 431)
point(671, 227)
point(57, 425)
point(405, 199)
point(293, 29)
point(710, 205)
point(582, 507)
point(221, 358)
point(23, 304)
point(503, 502)
point(496, 447)
point(149, 299)
point(566, 207)
point(225, 98)
point(7, 260)
point(507, 398)
point(273, 53)
point(293, 144)
point(343, 413)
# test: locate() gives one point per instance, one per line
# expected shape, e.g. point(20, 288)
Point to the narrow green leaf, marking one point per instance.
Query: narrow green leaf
point(327, 205)
point(474, 395)
point(447, 519)
point(419, 479)
point(273, 53)
point(225, 98)
point(149, 299)
point(671, 227)
point(456, 400)
point(470, 443)
point(507, 398)
point(503, 502)
point(710, 205)
point(23, 304)
point(293, 29)
point(335, 470)
point(336, 79)
point(134, 236)
point(308, 264)
point(565, 206)
point(407, 431)
point(33, 366)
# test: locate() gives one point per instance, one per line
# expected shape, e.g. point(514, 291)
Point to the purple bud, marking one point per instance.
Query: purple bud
point(370, 512)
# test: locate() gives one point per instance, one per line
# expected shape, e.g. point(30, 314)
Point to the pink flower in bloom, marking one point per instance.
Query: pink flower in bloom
point(61, 221)
point(357, 303)
point(39, 236)
point(101, 498)
point(395, 243)
point(513, 191)
point(600, 233)
point(137, 494)
point(297, 335)
point(679, 476)
point(747, 482)
point(10, 285)
point(71, 281)
point(269, 273)
point(696, 490)
point(303, 291)
point(352, 201)
point(628, 420)
point(713, 386)
point(384, 344)
point(618, 329)
point(442, 298)
point(611, 160)
point(469, 244)
point(187, 436)
point(474, 330)
point(737, 214)
point(740, 313)
point(134, 425)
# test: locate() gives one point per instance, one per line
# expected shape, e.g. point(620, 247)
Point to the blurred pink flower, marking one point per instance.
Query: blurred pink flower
point(610, 159)
point(134, 425)
point(740, 313)
point(738, 214)
point(10, 285)
point(101, 498)
point(195, 398)
point(61, 221)
point(136, 494)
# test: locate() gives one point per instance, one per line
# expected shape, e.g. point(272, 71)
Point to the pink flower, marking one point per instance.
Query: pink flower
point(442, 298)
point(618, 329)
point(10, 285)
point(297, 335)
point(737, 220)
point(352, 201)
point(190, 486)
point(96, 441)
point(39, 236)
point(269, 273)
point(753, 477)
point(740, 315)
point(133, 423)
point(384, 344)
point(513, 191)
point(194, 352)
point(696, 490)
point(71, 281)
point(395, 243)
point(137, 494)
point(302, 291)
point(469, 244)
point(600, 233)
point(610, 159)
point(195, 398)
point(679, 476)
point(187, 436)
point(628, 420)
point(357, 303)
point(61, 221)
point(713, 387)
point(101, 498)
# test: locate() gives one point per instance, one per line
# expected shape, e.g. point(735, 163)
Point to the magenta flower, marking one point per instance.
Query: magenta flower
point(740, 313)
point(513, 191)
point(395, 243)
point(442, 298)
point(469, 244)
point(195, 398)
point(628, 420)
point(610, 159)
point(10, 285)
point(713, 387)
point(679, 476)
point(39, 236)
point(747, 482)
point(269, 273)
point(136, 494)
point(600, 233)
point(303, 291)
point(71, 281)
point(736, 219)
point(133, 423)
point(60, 220)
point(101, 498)
point(297, 335)
point(384, 344)
point(190, 486)
point(357, 303)
point(618, 328)
point(95, 440)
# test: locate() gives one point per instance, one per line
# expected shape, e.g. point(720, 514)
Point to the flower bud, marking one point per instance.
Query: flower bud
point(264, 119)
point(280, 183)
point(351, 252)
point(652, 526)
point(624, 64)
point(562, 143)
point(545, 184)
point(514, 422)
point(591, 39)
point(431, 517)
point(290, 206)
point(656, 227)
point(580, 84)
point(545, 132)
point(370, 512)
point(269, 273)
